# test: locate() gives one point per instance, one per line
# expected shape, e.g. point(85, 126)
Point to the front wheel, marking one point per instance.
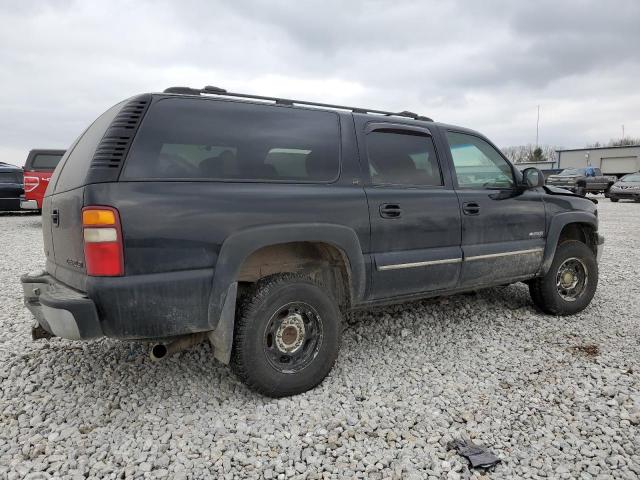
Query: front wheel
point(287, 335)
point(614, 200)
point(570, 283)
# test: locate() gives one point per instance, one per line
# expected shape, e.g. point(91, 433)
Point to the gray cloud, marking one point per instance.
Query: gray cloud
point(481, 64)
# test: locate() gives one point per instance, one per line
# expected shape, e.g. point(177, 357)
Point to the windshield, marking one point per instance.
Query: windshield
point(634, 177)
point(570, 171)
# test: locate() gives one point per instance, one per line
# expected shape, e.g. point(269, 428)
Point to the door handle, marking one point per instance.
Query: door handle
point(55, 217)
point(471, 208)
point(390, 210)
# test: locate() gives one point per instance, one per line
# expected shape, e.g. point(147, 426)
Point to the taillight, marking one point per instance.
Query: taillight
point(102, 242)
point(30, 183)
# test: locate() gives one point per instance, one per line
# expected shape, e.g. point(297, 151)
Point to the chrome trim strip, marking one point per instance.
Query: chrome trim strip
point(504, 254)
point(399, 266)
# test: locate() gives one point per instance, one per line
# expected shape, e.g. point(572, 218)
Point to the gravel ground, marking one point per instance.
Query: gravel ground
point(552, 397)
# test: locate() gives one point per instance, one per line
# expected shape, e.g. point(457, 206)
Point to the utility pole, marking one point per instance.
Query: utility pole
point(538, 126)
point(623, 131)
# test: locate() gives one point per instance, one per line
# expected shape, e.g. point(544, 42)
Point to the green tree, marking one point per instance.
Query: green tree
point(537, 155)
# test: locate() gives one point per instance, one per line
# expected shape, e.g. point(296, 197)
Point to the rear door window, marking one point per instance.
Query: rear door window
point(225, 140)
point(402, 159)
point(45, 161)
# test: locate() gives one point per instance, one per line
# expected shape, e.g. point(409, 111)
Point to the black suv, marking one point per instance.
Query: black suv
point(257, 222)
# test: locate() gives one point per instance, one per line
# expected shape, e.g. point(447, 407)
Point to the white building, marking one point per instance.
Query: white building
point(611, 160)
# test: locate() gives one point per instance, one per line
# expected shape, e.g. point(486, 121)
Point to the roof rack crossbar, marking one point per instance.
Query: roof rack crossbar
point(210, 90)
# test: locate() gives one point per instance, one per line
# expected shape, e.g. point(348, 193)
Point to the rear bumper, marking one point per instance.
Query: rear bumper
point(29, 205)
point(60, 310)
point(131, 307)
point(635, 195)
point(9, 204)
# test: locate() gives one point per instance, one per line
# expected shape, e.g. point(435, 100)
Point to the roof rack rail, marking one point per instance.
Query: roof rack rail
point(210, 90)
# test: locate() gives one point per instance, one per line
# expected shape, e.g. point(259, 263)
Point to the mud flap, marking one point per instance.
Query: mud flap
point(222, 337)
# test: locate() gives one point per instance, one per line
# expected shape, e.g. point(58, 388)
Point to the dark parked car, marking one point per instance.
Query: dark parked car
point(257, 222)
point(582, 180)
point(627, 188)
point(10, 187)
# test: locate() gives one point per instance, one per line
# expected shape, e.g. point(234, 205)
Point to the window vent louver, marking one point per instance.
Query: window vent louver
point(115, 144)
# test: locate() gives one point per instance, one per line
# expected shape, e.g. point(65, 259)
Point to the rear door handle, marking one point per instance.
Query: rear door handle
point(471, 208)
point(55, 217)
point(390, 210)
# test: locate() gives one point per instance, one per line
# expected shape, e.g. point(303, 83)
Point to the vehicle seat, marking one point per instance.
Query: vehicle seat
point(395, 169)
point(315, 166)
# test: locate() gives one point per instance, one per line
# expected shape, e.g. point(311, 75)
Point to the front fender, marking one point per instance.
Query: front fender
point(558, 222)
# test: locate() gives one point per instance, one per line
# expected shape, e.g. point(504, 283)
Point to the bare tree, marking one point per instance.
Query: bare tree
point(616, 142)
point(530, 153)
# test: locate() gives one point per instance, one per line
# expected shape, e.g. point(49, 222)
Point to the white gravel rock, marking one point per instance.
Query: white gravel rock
point(552, 397)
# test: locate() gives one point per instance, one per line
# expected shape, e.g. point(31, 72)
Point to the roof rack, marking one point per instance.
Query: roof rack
point(209, 90)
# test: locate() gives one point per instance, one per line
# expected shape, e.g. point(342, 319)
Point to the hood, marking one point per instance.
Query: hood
point(627, 184)
point(562, 177)
point(561, 191)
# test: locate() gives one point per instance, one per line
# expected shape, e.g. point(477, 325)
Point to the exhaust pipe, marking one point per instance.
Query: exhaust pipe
point(162, 350)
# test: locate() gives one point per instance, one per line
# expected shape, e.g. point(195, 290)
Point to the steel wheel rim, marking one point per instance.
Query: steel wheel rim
point(572, 279)
point(292, 337)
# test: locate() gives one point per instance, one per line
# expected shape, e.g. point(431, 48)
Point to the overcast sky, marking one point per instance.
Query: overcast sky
point(485, 65)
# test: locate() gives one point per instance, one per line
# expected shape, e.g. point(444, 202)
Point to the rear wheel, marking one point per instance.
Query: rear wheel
point(570, 283)
point(614, 200)
point(287, 335)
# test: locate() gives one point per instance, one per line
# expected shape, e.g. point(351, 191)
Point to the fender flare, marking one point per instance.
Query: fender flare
point(558, 222)
point(238, 246)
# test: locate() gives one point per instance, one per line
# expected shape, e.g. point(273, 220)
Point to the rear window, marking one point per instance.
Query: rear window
point(45, 161)
point(73, 172)
point(223, 140)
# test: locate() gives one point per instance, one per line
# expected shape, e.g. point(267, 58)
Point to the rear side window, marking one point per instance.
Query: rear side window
point(45, 161)
point(402, 159)
point(73, 172)
point(222, 140)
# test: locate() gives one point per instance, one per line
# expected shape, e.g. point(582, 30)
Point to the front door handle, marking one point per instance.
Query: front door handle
point(390, 210)
point(471, 208)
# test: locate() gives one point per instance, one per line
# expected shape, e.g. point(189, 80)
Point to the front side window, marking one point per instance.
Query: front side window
point(223, 140)
point(402, 159)
point(477, 163)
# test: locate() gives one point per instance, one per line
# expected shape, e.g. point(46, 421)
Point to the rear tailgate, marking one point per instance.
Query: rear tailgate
point(38, 169)
point(64, 200)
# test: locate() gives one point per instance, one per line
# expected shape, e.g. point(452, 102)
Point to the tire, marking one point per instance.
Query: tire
point(614, 200)
point(287, 335)
point(572, 256)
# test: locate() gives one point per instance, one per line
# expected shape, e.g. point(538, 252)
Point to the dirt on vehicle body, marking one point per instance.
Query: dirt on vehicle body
point(257, 222)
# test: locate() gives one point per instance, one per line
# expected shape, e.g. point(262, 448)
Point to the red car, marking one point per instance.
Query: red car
point(38, 168)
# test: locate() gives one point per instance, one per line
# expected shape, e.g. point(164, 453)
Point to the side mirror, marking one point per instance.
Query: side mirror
point(532, 178)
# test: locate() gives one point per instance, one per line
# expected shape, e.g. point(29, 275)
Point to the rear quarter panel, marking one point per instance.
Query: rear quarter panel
point(171, 226)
